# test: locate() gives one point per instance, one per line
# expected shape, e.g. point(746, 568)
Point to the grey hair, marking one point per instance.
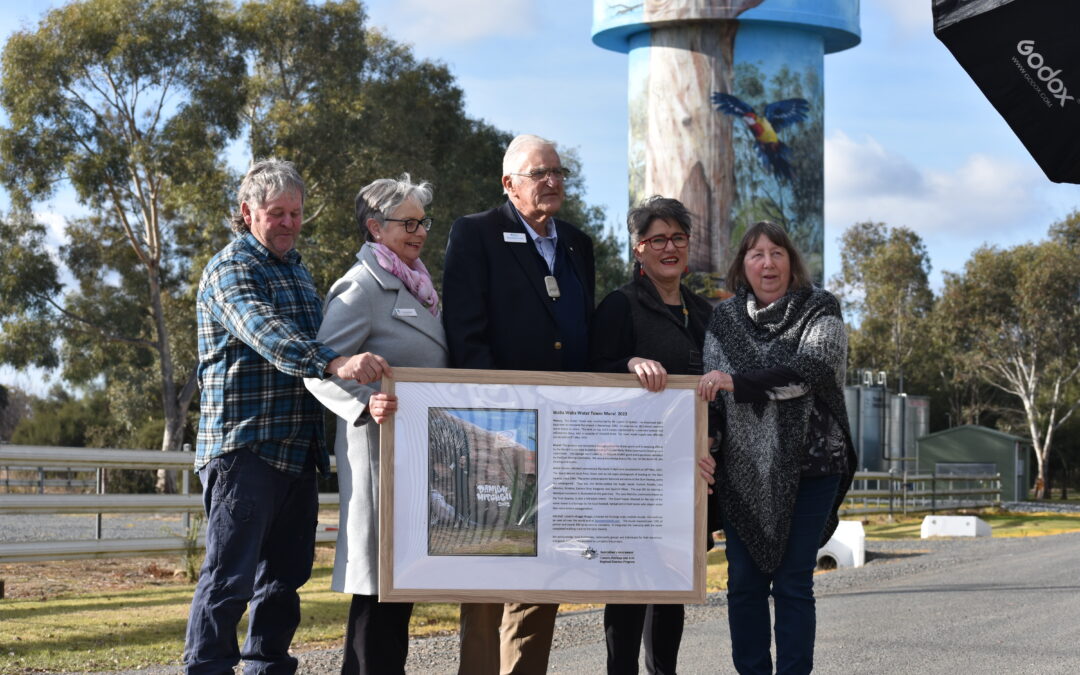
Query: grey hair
point(642, 216)
point(517, 147)
point(379, 198)
point(266, 179)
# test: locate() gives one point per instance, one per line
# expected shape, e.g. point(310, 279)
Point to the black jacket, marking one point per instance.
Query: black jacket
point(496, 309)
point(634, 321)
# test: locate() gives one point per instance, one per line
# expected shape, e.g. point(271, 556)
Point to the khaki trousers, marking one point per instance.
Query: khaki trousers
point(510, 639)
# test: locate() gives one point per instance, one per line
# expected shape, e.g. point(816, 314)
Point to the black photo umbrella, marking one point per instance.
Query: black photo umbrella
point(1025, 57)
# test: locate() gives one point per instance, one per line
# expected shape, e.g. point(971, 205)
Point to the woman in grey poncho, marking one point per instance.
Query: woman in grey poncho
point(775, 358)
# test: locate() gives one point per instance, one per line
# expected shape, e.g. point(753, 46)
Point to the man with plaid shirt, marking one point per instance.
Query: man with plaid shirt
point(260, 431)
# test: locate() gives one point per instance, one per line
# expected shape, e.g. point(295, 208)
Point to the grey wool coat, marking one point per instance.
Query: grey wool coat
point(367, 310)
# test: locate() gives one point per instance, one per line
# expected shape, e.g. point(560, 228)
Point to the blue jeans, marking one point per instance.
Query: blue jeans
point(260, 543)
point(791, 586)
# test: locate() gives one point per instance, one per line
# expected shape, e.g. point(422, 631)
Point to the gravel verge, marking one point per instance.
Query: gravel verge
point(886, 560)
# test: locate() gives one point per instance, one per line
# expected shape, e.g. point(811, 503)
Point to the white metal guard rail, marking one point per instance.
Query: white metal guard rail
point(95, 458)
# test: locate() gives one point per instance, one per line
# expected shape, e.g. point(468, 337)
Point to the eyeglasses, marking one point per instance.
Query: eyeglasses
point(659, 242)
point(410, 224)
point(559, 174)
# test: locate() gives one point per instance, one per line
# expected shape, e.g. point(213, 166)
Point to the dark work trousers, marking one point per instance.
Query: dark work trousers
point(625, 626)
point(260, 543)
point(376, 637)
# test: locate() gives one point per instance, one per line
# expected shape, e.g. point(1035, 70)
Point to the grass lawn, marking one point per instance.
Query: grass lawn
point(1004, 524)
point(126, 629)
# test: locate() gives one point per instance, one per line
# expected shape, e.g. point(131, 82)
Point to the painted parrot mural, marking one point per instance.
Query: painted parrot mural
point(778, 115)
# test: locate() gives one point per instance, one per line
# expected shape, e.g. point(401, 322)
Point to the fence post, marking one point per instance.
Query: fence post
point(185, 489)
point(933, 491)
point(100, 489)
point(892, 492)
point(904, 490)
point(41, 481)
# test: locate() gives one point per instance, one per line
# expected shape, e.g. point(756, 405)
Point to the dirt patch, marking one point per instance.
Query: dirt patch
point(43, 580)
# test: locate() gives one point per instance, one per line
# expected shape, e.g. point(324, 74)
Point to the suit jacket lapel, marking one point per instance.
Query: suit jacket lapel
point(424, 321)
point(531, 263)
point(574, 256)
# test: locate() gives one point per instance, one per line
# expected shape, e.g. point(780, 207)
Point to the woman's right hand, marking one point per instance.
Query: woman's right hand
point(381, 406)
point(712, 382)
point(650, 373)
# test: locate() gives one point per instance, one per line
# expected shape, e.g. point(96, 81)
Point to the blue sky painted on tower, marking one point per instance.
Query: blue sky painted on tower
point(516, 426)
point(909, 140)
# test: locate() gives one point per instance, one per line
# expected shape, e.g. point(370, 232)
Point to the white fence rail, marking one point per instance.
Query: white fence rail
point(901, 492)
point(42, 458)
point(871, 493)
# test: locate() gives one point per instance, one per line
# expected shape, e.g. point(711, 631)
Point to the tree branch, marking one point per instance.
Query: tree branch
point(98, 330)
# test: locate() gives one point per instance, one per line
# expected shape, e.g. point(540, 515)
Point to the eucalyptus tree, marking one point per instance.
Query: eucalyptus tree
point(349, 104)
point(130, 102)
point(883, 285)
point(1022, 306)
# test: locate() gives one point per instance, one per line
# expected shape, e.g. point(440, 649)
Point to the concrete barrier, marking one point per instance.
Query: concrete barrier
point(955, 526)
point(846, 548)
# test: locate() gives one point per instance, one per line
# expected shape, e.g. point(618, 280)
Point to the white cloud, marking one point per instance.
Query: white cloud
point(55, 223)
point(983, 198)
point(460, 21)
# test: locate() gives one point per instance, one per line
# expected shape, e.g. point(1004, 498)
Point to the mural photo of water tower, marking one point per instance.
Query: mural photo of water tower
point(726, 105)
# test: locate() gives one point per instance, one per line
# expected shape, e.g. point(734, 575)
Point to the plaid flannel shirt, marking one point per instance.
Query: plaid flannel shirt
point(258, 317)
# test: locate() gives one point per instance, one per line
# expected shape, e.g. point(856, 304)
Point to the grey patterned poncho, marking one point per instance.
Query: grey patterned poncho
point(763, 444)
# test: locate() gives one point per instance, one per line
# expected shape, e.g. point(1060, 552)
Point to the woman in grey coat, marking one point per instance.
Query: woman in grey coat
point(385, 304)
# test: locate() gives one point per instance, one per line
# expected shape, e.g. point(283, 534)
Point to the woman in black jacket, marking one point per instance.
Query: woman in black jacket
point(652, 326)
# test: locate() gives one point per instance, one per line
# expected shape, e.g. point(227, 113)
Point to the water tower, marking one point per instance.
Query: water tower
point(726, 112)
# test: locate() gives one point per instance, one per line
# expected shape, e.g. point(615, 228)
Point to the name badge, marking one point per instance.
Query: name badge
point(404, 311)
point(552, 286)
point(514, 237)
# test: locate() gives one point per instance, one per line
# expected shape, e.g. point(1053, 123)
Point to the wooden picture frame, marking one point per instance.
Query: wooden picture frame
point(541, 487)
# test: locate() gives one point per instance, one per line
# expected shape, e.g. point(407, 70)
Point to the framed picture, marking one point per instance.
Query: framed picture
point(521, 486)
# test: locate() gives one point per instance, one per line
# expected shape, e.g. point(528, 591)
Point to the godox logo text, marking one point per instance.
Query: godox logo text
point(1045, 73)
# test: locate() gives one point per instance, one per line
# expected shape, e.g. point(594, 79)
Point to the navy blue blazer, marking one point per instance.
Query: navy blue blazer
point(496, 309)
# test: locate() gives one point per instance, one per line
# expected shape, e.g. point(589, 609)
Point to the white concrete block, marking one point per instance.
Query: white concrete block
point(955, 526)
point(846, 548)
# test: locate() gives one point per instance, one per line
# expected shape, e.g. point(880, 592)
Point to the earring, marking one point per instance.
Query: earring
point(641, 271)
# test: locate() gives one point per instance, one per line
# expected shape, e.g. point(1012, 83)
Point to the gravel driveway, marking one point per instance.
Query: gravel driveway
point(936, 606)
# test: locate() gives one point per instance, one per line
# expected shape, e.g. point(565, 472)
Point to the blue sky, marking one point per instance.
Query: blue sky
point(909, 138)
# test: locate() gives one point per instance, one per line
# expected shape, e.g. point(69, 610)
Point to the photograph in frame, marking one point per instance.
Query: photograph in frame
point(483, 481)
point(521, 486)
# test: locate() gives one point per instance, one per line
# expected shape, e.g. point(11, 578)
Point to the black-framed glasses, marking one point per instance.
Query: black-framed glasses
point(542, 174)
point(659, 242)
point(410, 224)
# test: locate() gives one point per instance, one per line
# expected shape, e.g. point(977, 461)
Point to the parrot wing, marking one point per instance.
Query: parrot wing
point(784, 113)
point(731, 105)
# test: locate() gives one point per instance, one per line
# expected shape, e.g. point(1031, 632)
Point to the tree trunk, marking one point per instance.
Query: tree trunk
point(174, 420)
point(688, 144)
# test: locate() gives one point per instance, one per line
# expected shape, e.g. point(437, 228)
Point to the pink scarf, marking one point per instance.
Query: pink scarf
point(416, 278)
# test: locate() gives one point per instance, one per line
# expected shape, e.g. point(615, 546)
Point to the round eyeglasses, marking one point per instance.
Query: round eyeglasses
point(659, 242)
point(410, 224)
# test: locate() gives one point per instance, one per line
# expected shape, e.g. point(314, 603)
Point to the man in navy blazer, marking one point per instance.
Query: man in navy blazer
point(518, 288)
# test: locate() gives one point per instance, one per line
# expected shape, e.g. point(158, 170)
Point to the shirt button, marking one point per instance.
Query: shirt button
point(558, 345)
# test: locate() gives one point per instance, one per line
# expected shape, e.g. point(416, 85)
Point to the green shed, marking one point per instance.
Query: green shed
point(972, 449)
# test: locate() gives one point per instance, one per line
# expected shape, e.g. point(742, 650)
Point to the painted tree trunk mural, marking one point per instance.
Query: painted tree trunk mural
point(726, 113)
point(688, 146)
